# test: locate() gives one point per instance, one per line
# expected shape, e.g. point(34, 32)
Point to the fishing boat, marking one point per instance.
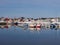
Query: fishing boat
point(38, 25)
point(45, 25)
point(54, 26)
point(3, 24)
point(32, 25)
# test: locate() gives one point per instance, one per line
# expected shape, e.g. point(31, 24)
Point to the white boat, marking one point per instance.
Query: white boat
point(3, 23)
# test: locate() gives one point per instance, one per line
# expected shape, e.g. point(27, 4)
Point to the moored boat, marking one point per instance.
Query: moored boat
point(3, 24)
point(54, 26)
point(38, 25)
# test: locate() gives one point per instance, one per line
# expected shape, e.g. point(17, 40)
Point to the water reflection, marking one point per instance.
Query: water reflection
point(24, 35)
point(5, 26)
point(34, 28)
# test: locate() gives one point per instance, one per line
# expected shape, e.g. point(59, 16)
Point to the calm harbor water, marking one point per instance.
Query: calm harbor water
point(19, 36)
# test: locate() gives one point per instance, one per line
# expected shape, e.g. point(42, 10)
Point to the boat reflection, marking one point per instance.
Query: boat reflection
point(5, 26)
point(31, 27)
point(34, 29)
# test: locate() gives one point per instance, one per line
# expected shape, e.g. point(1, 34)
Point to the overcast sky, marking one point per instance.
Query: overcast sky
point(30, 8)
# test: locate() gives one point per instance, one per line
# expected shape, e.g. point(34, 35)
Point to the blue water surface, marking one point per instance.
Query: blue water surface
point(18, 36)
